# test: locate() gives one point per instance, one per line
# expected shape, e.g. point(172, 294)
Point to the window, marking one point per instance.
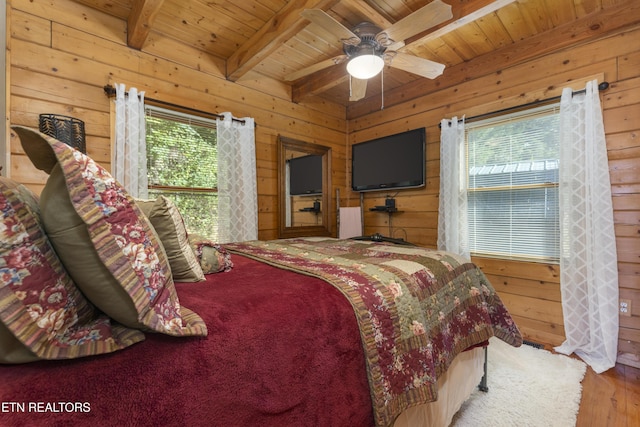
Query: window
point(182, 165)
point(512, 183)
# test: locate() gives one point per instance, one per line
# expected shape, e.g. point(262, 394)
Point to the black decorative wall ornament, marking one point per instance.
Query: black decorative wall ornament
point(64, 128)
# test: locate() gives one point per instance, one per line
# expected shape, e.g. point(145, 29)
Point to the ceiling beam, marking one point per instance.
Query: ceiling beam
point(371, 14)
point(319, 82)
point(592, 26)
point(140, 20)
point(463, 11)
point(280, 28)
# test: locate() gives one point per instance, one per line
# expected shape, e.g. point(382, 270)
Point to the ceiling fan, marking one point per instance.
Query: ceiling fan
point(367, 48)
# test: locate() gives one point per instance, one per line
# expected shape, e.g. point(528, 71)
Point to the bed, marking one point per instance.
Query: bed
point(297, 332)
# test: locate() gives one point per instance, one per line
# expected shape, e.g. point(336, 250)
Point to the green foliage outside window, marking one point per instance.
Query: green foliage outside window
point(182, 165)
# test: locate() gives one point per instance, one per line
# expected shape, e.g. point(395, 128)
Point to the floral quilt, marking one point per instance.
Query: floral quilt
point(416, 308)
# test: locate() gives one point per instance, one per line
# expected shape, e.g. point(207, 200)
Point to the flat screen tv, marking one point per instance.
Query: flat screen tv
point(305, 175)
point(390, 162)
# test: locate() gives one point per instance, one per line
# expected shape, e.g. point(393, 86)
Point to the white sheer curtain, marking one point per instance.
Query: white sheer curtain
point(588, 259)
point(129, 158)
point(237, 186)
point(453, 227)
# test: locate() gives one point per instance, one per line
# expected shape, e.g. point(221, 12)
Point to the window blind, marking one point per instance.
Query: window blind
point(181, 149)
point(182, 158)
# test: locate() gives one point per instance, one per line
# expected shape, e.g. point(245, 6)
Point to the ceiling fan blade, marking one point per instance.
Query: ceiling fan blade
point(395, 46)
point(416, 65)
point(422, 19)
point(326, 21)
point(315, 67)
point(358, 89)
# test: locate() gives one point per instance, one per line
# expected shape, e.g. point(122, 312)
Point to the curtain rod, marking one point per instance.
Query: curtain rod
point(602, 86)
point(110, 91)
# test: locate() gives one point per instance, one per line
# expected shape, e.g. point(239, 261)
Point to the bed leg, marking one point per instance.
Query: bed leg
point(483, 382)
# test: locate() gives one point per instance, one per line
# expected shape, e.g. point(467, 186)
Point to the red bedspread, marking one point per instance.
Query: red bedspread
point(283, 350)
point(417, 309)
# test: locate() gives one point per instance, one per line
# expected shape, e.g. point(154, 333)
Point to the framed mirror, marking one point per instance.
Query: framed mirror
point(304, 183)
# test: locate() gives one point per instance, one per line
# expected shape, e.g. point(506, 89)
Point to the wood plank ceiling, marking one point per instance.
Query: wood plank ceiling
point(270, 38)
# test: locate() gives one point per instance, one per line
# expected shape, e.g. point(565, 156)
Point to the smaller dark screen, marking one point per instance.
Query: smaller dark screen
point(305, 175)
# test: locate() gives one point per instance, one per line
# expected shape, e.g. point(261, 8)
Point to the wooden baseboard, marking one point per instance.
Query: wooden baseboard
point(629, 359)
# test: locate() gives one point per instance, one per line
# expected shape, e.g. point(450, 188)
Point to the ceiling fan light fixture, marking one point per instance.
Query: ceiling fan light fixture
point(365, 66)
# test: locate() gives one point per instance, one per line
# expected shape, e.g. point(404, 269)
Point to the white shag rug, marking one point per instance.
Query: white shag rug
point(527, 387)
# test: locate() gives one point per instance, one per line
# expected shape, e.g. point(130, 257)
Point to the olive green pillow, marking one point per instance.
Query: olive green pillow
point(169, 225)
point(213, 257)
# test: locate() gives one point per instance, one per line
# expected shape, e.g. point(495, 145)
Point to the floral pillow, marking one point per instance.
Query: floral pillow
point(43, 315)
point(105, 242)
point(213, 258)
point(169, 224)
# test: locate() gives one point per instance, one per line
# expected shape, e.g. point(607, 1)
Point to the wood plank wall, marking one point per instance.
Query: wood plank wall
point(63, 53)
point(530, 290)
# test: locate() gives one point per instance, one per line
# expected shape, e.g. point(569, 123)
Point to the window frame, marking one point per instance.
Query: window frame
point(189, 117)
point(552, 107)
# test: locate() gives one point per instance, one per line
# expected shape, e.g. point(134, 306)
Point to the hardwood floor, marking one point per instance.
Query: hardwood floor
point(610, 399)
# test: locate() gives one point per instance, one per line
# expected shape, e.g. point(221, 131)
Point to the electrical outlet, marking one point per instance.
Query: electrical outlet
point(625, 307)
